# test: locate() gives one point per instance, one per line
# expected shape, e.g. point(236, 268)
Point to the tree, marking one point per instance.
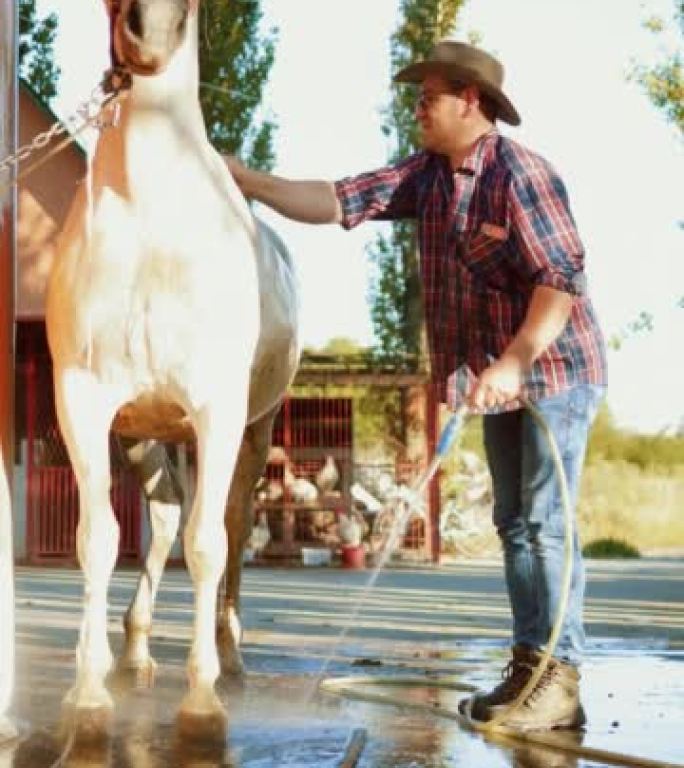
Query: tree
point(36, 53)
point(395, 296)
point(235, 60)
point(663, 82)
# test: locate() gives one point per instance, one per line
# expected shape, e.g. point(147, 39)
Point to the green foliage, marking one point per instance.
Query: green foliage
point(235, 60)
point(610, 548)
point(643, 324)
point(341, 345)
point(648, 452)
point(394, 295)
point(425, 23)
point(389, 295)
point(378, 427)
point(36, 52)
point(663, 82)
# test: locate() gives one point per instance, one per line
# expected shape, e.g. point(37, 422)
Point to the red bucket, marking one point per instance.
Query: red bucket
point(354, 557)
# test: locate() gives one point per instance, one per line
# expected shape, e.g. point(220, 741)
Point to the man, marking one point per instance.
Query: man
point(504, 290)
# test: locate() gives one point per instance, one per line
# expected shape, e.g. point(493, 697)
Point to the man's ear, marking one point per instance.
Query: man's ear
point(471, 95)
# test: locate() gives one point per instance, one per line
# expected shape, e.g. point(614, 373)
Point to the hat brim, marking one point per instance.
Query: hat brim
point(416, 73)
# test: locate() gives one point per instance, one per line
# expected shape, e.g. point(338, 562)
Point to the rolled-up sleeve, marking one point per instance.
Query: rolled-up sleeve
point(384, 194)
point(549, 251)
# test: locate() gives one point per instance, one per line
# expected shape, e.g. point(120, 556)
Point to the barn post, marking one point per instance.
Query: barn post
point(434, 545)
point(8, 134)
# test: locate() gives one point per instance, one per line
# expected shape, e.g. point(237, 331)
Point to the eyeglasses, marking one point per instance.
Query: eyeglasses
point(425, 100)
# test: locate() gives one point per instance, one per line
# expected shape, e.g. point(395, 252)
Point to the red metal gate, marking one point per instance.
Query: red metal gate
point(51, 490)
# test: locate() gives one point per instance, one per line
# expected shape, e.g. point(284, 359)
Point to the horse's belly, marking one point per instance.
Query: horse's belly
point(152, 417)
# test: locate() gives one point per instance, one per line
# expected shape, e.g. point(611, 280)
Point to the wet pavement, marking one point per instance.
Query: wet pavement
point(447, 621)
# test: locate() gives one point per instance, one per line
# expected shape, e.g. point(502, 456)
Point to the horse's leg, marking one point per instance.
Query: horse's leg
point(164, 495)
point(85, 412)
point(239, 521)
point(219, 432)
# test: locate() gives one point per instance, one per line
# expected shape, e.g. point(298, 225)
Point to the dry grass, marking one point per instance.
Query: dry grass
point(619, 500)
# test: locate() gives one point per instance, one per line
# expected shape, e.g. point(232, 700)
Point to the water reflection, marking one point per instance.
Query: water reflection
point(141, 748)
point(534, 756)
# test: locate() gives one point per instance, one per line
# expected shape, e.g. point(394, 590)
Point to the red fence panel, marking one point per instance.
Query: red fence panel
point(54, 506)
point(51, 488)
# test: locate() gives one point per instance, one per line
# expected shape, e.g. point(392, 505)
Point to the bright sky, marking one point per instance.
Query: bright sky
point(566, 62)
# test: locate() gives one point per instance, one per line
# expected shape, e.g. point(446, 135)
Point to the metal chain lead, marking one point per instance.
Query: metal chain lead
point(87, 114)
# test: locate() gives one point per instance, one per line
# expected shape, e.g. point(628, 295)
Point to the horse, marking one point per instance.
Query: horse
point(171, 314)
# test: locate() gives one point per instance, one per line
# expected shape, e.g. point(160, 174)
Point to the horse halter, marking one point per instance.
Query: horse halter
point(117, 77)
point(115, 10)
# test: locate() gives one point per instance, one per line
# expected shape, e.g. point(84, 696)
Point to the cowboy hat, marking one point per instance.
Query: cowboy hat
point(465, 64)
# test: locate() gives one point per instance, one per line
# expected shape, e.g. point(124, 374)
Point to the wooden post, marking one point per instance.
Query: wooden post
point(31, 388)
point(288, 512)
point(415, 420)
point(415, 402)
point(434, 495)
point(8, 133)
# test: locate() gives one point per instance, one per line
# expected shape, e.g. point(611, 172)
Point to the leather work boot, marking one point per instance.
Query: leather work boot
point(553, 703)
point(515, 676)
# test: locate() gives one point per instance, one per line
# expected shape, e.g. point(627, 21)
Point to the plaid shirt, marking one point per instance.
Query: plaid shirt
point(489, 234)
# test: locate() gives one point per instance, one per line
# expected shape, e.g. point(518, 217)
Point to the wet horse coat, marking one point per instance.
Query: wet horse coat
point(171, 311)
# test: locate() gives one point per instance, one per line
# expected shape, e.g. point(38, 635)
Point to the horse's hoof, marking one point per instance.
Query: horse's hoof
point(201, 716)
point(232, 668)
point(84, 753)
point(207, 728)
point(231, 684)
point(85, 726)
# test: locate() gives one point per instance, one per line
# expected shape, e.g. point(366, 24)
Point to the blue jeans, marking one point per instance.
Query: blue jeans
point(529, 517)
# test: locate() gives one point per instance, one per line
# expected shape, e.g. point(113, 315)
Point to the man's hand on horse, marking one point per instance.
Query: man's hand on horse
point(237, 170)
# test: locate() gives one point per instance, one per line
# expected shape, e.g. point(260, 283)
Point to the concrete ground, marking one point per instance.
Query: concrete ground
point(301, 624)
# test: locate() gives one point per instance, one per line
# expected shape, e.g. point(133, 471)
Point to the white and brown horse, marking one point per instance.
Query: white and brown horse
point(171, 313)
